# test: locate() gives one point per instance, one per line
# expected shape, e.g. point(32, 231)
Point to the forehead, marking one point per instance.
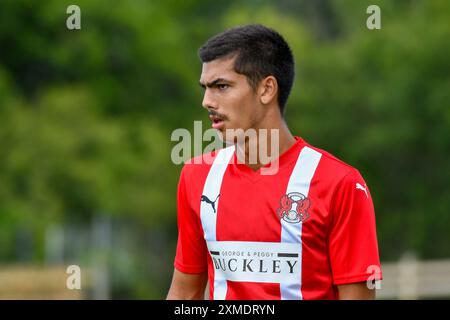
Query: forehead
point(219, 68)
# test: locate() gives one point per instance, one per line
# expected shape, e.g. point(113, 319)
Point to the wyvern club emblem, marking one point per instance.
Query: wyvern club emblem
point(294, 207)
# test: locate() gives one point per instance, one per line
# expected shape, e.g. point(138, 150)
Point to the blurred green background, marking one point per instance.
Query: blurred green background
point(86, 117)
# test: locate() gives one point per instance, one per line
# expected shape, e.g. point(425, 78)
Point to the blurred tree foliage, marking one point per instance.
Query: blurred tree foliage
point(86, 116)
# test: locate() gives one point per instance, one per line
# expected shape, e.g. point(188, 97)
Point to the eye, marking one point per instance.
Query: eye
point(222, 86)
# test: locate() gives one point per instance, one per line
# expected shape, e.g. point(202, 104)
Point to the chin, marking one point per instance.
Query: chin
point(227, 139)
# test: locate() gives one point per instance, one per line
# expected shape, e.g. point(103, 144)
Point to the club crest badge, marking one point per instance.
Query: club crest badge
point(294, 207)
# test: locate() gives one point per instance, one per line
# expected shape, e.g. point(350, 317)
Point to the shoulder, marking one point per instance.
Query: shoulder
point(332, 166)
point(197, 168)
point(344, 183)
point(333, 173)
point(194, 174)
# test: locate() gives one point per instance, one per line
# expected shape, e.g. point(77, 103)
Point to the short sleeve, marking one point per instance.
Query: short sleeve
point(353, 246)
point(191, 247)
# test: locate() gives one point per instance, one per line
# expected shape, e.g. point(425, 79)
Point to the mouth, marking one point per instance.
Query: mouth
point(217, 122)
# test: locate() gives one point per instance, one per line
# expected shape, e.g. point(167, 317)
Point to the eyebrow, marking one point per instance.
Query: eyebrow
point(214, 83)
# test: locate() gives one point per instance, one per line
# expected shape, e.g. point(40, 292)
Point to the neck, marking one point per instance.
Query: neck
point(266, 145)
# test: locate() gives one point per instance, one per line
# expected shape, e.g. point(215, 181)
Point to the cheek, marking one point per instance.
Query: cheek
point(251, 112)
point(239, 106)
point(244, 106)
point(242, 115)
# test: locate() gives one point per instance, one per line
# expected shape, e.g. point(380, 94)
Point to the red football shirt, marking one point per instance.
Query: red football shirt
point(295, 234)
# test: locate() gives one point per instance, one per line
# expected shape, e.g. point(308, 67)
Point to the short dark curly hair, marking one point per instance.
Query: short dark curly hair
point(260, 52)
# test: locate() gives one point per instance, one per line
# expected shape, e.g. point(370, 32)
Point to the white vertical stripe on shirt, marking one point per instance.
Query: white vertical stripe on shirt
point(211, 189)
point(299, 181)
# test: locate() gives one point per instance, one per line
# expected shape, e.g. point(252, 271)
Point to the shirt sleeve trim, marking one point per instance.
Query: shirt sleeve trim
point(189, 269)
point(355, 278)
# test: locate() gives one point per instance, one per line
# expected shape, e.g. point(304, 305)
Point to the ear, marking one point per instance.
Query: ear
point(268, 89)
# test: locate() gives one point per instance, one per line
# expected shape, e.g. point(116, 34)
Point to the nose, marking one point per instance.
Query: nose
point(208, 101)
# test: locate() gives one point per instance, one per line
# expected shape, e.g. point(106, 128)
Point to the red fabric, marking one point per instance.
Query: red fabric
point(339, 241)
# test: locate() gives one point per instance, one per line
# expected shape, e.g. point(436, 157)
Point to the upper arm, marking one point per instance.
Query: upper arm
point(352, 241)
point(190, 272)
point(191, 252)
point(186, 286)
point(355, 291)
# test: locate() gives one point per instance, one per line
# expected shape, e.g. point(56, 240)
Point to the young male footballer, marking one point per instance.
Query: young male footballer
point(304, 231)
